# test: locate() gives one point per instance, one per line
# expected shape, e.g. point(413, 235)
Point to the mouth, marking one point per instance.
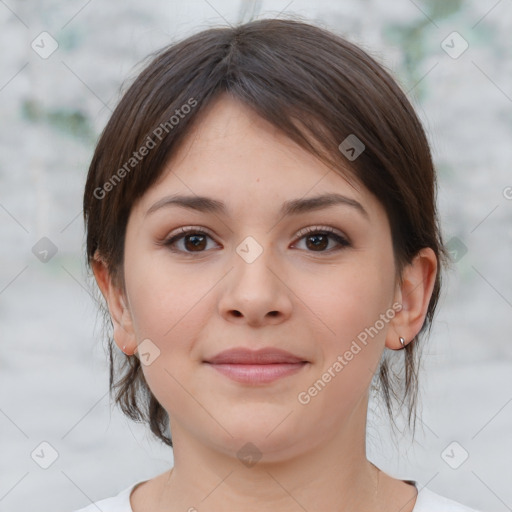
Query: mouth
point(256, 367)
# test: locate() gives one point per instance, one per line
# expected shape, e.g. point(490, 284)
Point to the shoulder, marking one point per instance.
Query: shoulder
point(429, 501)
point(118, 503)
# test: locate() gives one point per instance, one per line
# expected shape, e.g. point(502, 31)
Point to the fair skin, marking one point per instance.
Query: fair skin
point(313, 302)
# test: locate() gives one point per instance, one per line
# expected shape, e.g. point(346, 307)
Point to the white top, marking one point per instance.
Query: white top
point(427, 501)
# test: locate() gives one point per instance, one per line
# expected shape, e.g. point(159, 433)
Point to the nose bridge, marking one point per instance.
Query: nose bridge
point(254, 289)
point(252, 261)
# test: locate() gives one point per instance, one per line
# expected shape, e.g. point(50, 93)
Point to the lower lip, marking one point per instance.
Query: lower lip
point(257, 373)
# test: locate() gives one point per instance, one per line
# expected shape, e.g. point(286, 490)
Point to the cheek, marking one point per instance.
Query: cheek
point(349, 298)
point(164, 300)
point(350, 341)
point(351, 335)
point(170, 309)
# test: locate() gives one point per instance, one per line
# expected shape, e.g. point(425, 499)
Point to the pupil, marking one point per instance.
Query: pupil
point(316, 244)
point(197, 243)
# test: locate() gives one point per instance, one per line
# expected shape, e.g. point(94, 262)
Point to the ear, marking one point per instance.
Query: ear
point(124, 335)
point(418, 279)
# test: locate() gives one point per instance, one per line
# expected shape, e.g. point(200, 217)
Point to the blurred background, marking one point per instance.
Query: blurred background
point(62, 67)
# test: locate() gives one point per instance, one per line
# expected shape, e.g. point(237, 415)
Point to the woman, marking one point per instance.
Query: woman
point(261, 221)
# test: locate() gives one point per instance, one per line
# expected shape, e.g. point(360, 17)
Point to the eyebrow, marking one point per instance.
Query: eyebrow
point(292, 207)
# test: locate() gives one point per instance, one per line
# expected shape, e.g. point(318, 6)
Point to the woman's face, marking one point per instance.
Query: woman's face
point(248, 275)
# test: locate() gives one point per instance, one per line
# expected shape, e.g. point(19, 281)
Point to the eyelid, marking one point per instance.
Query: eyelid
point(187, 229)
point(299, 234)
point(313, 229)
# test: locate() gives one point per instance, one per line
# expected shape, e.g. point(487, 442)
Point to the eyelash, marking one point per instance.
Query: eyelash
point(323, 230)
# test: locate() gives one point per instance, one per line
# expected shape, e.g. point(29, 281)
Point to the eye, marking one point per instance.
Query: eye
point(194, 240)
point(317, 239)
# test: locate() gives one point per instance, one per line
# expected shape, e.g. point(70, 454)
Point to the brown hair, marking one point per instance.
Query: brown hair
point(314, 86)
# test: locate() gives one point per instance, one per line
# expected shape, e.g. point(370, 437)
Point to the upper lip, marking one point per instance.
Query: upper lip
point(246, 356)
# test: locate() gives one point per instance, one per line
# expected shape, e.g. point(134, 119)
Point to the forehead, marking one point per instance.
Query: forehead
point(234, 154)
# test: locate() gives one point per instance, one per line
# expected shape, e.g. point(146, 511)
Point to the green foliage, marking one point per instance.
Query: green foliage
point(71, 122)
point(439, 9)
point(413, 39)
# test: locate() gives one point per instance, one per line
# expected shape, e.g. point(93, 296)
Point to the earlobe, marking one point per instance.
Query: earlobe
point(124, 335)
point(414, 293)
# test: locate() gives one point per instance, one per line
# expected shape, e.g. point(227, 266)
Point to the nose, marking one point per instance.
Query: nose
point(256, 292)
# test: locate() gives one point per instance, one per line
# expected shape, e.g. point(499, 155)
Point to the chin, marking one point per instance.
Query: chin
point(268, 439)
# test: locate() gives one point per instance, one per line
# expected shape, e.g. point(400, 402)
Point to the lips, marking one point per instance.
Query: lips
point(256, 367)
point(252, 357)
